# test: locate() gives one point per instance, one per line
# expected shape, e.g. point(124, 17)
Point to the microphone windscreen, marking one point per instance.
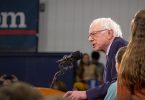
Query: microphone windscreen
point(77, 55)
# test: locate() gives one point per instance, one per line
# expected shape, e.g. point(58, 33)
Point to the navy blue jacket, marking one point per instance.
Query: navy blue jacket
point(110, 74)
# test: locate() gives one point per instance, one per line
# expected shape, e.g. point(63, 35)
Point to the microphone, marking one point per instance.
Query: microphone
point(74, 56)
point(67, 59)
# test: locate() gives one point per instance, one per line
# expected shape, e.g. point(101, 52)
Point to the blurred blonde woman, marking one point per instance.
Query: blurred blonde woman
point(131, 79)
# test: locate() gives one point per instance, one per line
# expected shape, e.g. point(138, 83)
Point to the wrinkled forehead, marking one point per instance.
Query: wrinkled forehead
point(95, 27)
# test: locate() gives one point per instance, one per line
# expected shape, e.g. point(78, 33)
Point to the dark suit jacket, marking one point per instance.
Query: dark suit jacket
point(110, 74)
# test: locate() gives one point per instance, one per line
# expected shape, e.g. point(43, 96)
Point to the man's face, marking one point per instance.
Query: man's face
point(99, 37)
point(86, 59)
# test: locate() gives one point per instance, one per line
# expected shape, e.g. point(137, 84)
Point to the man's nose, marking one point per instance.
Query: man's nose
point(90, 39)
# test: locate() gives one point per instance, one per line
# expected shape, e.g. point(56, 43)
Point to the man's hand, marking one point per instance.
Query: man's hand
point(76, 95)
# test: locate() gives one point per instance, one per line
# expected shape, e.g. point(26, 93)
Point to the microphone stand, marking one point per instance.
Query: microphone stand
point(60, 72)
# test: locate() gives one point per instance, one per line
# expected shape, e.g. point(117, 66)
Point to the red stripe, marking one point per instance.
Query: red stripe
point(16, 32)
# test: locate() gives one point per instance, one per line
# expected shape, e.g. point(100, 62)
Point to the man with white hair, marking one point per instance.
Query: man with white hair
point(105, 35)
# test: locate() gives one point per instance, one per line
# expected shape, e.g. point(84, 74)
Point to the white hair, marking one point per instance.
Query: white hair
point(109, 24)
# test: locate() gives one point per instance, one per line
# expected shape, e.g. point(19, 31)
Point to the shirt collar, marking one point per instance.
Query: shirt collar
point(108, 49)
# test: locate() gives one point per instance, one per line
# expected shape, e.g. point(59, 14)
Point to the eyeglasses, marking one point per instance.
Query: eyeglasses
point(96, 32)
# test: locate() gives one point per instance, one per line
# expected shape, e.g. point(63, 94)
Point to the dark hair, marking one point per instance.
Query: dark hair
point(81, 61)
point(80, 68)
point(95, 55)
point(8, 77)
point(132, 71)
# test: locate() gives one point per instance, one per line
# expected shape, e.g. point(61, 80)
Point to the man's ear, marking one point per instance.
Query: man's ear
point(110, 34)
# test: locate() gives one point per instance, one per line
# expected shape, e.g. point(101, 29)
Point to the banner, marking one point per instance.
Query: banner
point(18, 43)
point(19, 17)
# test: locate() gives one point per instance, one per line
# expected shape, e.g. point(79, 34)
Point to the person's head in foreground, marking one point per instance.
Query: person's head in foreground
point(132, 70)
point(19, 91)
point(119, 57)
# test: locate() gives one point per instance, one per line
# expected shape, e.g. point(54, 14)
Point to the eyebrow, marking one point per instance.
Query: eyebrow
point(98, 31)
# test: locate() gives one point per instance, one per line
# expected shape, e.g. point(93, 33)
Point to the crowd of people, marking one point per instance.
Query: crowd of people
point(122, 78)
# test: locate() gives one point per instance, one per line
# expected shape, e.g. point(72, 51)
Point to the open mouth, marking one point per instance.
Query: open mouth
point(93, 45)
